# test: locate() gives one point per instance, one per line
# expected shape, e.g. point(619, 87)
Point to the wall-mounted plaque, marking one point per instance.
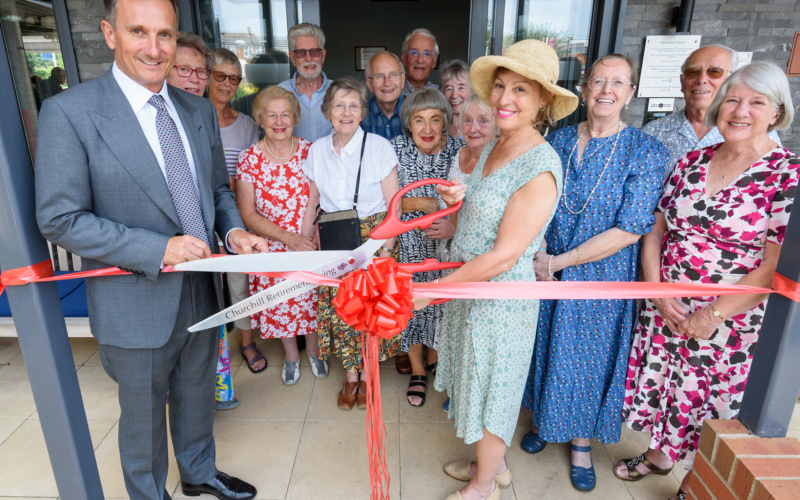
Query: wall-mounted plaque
point(364, 54)
point(793, 68)
point(661, 67)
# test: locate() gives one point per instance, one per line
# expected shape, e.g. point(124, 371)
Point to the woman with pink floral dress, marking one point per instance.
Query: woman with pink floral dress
point(721, 219)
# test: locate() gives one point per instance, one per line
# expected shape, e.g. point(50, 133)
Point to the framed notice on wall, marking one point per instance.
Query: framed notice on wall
point(661, 67)
point(364, 54)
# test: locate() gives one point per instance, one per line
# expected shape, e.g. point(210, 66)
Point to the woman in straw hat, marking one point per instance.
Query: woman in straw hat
point(612, 181)
point(486, 345)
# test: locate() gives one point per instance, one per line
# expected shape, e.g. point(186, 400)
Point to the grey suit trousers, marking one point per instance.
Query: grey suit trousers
point(186, 366)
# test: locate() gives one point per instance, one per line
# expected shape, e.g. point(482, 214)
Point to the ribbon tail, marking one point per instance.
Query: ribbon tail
point(376, 431)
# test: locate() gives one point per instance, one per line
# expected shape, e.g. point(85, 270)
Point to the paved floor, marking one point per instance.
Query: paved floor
point(294, 443)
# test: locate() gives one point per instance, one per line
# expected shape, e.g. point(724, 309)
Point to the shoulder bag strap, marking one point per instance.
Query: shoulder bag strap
point(358, 177)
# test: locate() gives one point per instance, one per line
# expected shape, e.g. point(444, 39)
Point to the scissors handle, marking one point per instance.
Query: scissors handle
point(392, 226)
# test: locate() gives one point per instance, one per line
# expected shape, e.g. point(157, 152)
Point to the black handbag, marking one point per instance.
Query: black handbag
point(341, 230)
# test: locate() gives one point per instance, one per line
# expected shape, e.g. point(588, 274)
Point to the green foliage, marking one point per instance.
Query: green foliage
point(42, 68)
point(542, 32)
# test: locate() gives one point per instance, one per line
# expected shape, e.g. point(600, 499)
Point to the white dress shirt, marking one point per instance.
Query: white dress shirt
point(335, 175)
point(138, 97)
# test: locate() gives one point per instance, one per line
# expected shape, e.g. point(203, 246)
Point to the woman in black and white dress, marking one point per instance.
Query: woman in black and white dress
point(424, 152)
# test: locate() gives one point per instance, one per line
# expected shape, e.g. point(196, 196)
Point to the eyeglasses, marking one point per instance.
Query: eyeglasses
point(393, 76)
point(415, 53)
point(186, 72)
point(301, 53)
point(714, 73)
point(599, 83)
point(354, 108)
point(220, 77)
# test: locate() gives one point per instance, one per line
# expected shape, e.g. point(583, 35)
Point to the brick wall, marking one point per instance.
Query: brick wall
point(93, 55)
point(764, 27)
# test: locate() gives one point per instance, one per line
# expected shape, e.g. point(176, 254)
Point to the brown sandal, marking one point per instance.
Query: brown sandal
point(634, 474)
point(347, 396)
point(362, 395)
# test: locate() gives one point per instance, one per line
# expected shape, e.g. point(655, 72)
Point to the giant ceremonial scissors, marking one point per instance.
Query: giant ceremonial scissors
point(336, 265)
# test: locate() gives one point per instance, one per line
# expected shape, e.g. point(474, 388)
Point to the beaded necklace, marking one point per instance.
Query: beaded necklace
point(599, 179)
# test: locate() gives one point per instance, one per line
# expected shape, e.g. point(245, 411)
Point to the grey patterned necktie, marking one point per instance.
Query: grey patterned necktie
point(179, 175)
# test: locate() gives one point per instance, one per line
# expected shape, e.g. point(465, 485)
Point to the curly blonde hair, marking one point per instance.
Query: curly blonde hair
point(274, 92)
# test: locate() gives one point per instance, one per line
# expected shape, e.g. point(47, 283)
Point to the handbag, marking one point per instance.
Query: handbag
point(341, 230)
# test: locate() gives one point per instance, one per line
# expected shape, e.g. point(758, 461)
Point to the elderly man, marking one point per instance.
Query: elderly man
point(309, 83)
point(702, 74)
point(385, 79)
point(419, 53)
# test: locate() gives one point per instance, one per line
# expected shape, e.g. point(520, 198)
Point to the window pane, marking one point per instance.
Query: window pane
point(34, 52)
point(562, 24)
point(256, 32)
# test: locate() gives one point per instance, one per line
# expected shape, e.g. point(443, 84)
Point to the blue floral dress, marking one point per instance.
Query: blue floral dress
point(486, 345)
point(577, 378)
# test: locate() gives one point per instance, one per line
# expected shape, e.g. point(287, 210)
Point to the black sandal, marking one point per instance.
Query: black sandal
point(417, 380)
point(431, 368)
point(253, 361)
point(681, 495)
point(633, 472)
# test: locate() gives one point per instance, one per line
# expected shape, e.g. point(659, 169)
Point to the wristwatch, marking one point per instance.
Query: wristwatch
point(384, 249)
point(715, 312)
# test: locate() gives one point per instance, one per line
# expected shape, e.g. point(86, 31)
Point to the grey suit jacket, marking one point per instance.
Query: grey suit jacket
point(101, 195)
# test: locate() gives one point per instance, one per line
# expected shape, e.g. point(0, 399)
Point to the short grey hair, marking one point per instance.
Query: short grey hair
point(191, 41)
point(474, 100)
point(765, 78)
point(346, 84)
point(420, 100)
point(306, 29)
point(111, 12)
point(423, 32)
point(454, 68)
point(733, 53)
point(368, 70)
point(222, 56)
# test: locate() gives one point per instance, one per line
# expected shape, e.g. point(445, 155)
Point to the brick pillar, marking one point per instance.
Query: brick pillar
point(731, 464)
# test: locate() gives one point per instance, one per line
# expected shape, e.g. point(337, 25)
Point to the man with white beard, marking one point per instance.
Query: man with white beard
point(309, 83)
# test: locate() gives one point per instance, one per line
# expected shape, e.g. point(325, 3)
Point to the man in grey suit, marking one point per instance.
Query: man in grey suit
point(130, 172)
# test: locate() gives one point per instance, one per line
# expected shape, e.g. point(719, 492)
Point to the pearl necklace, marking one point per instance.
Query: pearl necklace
point(435, 162)
point(569, 161)
point(291, 150)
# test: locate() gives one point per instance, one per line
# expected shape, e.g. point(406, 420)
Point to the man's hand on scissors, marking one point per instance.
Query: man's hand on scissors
point(243, 242)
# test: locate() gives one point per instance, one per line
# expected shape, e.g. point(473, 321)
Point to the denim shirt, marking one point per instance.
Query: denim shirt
point(312, 124)
point(376, 122)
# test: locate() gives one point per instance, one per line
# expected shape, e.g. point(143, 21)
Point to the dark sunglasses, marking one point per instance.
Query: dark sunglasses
point(301, 53)
point(220, 77)
point(693, 72)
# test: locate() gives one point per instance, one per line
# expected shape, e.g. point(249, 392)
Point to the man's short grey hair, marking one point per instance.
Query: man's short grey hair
point(733, 53)
point(423, 32)
point(765, 78)
point(420, 100)
point(222, 56)
point(347, 84)
point(306, 29)
point(454, 68)
point(368, 70)
point(111, 11)
point(194, 42)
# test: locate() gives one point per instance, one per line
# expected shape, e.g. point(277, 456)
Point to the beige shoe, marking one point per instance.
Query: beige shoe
point(460, 470)
point(456, 496)
point(494, 496)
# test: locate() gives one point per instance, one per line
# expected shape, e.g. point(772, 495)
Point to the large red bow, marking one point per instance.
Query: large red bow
point(376, 301)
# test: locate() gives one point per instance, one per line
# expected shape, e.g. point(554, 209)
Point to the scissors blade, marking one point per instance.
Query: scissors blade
point(262, 262)
point(287, 289)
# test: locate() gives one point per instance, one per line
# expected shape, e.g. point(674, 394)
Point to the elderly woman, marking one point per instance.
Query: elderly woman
point(721, 219)
point(332, 166)
point(270, 165)
point(454, 77)
point(424, 152)
point(192, 63)
point(238, 132)
point(612, 180)
point(511, 196)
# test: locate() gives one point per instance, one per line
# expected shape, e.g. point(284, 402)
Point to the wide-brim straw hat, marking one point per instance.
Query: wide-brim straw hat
point(532, 59)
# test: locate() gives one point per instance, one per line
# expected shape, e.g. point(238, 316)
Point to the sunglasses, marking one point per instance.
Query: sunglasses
point(220, 77)
point(693, 72)
point(301, 53)
point(186, 72)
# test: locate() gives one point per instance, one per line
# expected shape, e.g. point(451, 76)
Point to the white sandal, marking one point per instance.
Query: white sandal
point(290, 373)
point(319, 367)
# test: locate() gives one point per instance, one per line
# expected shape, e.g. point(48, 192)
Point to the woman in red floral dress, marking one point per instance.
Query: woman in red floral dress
point(721, 219)
point(272, 195)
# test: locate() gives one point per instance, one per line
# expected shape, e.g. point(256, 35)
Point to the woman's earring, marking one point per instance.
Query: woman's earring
point(626, 105)
point(583, 103)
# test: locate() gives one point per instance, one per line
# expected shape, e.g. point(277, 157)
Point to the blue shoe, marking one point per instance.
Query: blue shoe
point(532, 443)
point(583, 479)
point(446, 406)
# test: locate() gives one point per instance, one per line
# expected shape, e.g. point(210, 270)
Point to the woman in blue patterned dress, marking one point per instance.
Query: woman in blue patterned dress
point(486, 345)
point(612, 181)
